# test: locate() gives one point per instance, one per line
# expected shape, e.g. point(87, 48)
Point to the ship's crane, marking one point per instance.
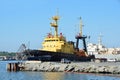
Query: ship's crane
point(81, 37)
point(20, 53)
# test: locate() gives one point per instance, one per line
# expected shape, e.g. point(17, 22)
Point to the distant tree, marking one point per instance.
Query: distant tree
point(3, 53)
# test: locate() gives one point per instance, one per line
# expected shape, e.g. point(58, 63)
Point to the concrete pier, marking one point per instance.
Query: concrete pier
point(87, 67)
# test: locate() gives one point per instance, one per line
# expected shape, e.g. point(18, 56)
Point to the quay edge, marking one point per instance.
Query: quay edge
point(85, 67)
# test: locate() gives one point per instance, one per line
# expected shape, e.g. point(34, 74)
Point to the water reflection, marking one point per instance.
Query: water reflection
point(53, 76)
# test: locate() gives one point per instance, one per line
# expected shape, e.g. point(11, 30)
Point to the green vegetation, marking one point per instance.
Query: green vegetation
point(7, 53)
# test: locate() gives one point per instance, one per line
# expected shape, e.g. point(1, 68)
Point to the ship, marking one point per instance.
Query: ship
point(56, 47)
point(99, 50)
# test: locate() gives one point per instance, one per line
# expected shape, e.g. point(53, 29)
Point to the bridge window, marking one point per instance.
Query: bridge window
point(52, 40)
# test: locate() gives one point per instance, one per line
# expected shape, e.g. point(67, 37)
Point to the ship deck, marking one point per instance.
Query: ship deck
point(54, 56)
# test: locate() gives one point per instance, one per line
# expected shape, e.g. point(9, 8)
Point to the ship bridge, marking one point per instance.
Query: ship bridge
point(57, 43)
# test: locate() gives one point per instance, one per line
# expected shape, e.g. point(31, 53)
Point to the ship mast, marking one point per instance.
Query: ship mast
point(100, 39)
point(55, 24)
point(81, 37)
point(81, 26)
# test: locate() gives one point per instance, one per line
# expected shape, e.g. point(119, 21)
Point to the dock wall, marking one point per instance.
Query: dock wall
point(87, 67)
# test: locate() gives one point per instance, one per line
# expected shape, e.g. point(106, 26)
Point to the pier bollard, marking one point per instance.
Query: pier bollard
point(18, 68)
point(15, 67)
point(9, 67)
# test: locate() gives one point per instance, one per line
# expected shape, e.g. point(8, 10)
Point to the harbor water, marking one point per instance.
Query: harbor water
point(29, 75)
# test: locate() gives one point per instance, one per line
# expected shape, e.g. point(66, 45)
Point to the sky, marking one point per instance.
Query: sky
point(28, 21)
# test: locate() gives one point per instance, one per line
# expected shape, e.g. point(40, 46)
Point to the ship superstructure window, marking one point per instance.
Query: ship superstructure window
point(51, 40)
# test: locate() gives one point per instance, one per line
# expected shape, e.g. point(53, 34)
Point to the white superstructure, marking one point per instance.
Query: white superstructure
point(100, 51)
